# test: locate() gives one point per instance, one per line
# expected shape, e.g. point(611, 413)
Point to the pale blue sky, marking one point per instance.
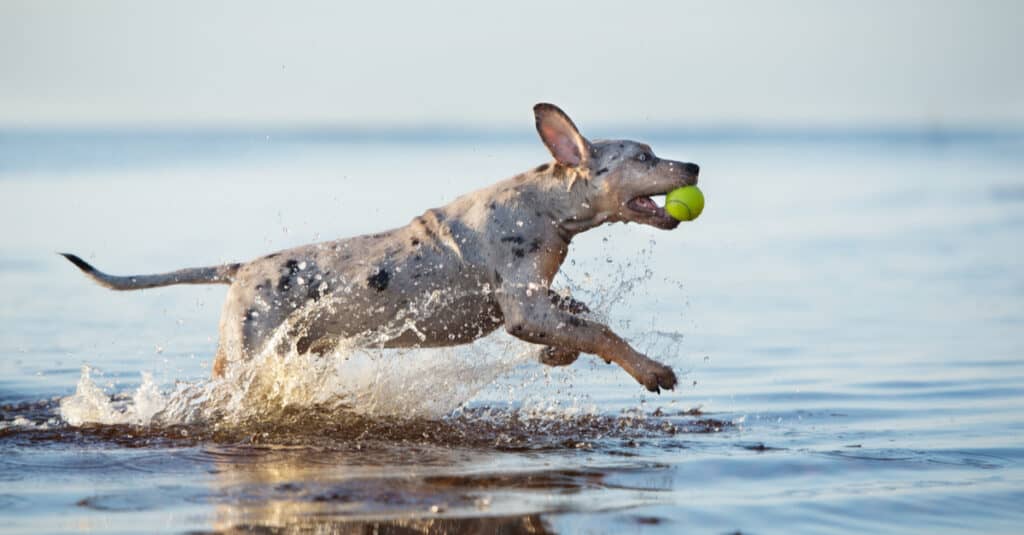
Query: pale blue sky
point(903, 62)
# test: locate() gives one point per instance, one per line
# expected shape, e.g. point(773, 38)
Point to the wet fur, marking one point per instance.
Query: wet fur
point(455, 273)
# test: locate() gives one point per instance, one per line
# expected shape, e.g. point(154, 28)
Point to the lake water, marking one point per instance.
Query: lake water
point(846, 317)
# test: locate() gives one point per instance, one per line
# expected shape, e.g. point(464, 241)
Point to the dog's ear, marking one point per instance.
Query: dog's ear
point(560, 135)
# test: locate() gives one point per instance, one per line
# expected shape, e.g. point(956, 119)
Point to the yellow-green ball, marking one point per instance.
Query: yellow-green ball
point(685, 203)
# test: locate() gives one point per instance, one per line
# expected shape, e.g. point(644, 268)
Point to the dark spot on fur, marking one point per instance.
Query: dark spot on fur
point(288, 270)
point(535, 245)
point(542, 167)
point(568, 304)
point(492, 206)
point(417, 275)
point(417, 258)
point(379, 281)
point(575, 322)
point(414, 242)
point(313, 292)
point(518, 240)
point(272, 255)
point(602, 171)
point(519, 253)
point(251, 314)
point(497, 277)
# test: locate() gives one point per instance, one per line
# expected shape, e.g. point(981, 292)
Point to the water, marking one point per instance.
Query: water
point(846, 318)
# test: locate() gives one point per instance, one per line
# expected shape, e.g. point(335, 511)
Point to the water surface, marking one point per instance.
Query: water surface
point(846, 319)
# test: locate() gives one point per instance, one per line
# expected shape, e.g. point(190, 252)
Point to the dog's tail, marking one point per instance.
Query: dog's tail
point(205, 275)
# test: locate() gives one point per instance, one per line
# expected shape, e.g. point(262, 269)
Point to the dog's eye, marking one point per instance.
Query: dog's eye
point(643, 157)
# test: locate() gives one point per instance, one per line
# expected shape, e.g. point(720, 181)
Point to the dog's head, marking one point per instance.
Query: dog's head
point(619, 177)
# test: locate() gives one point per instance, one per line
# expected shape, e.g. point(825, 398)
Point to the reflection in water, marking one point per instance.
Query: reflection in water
point(480, 525)
point(295, 491)
point(486, 470)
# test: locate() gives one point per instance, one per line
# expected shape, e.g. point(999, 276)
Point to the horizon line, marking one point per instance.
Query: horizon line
point(452, 131)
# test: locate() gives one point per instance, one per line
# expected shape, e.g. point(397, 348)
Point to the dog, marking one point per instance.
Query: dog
point(455, 273)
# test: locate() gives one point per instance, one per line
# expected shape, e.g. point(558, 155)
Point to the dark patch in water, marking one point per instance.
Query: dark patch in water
point(482, 427)
point(759, 447)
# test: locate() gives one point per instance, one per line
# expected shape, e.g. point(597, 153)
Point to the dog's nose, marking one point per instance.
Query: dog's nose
point(691, 168)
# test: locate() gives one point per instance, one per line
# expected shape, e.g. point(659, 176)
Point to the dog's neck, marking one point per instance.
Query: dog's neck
point(574, 200)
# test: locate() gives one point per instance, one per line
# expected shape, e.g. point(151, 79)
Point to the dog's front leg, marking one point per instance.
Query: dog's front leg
point(531, 315)
point(560, 356)
point(567, 304)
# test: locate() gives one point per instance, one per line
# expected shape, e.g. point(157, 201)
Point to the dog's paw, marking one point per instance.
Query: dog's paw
point(554, 356)
point(658, 376)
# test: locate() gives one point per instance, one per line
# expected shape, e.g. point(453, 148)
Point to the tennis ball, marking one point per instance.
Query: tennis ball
point(685, 203)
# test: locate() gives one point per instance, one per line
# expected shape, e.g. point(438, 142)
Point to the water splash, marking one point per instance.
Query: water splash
point(414, 383)
point(90, 404)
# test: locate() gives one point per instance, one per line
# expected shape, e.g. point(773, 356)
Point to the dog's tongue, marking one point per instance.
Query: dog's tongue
point(646, 202)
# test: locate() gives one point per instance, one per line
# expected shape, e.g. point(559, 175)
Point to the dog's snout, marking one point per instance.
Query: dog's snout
point(691, 168)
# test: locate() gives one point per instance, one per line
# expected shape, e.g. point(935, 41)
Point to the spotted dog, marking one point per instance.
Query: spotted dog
point(455, 273)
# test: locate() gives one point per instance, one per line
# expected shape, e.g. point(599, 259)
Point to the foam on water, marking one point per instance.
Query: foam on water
point(416, 383)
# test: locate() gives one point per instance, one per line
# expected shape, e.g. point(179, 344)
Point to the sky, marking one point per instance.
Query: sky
point(675, 63)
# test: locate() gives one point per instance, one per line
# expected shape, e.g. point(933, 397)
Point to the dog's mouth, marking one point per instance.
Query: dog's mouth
point(651, 212)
